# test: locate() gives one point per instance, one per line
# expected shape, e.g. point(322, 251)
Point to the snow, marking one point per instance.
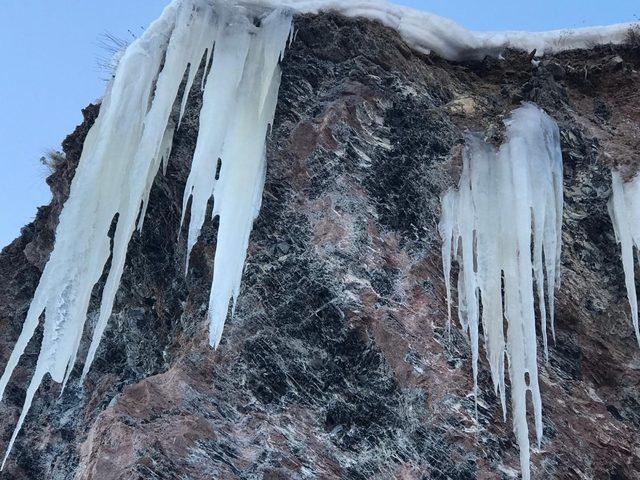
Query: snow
point(426, 32)
point(503, 225)
point(624, 209)
point(126, 147)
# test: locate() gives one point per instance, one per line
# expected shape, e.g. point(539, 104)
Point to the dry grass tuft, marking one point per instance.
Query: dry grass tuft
point(633, 36)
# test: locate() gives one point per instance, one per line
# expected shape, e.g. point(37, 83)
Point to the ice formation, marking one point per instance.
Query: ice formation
point(624, 209)
point(124, 150)
point(503, 225)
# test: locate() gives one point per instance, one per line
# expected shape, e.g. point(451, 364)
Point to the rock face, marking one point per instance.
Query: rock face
point(337, 364)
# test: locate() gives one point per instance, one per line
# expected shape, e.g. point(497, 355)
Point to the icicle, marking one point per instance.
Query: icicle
point(237, 110)
point(82, 246)
point(508, 202)
point(624, 209)
point(446, 228)
point(123, 152)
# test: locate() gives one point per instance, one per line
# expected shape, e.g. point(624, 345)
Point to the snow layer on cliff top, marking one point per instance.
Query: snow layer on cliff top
point(426, 32)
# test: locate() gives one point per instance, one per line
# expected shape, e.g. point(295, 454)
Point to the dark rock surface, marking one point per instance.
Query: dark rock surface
point(337, 364)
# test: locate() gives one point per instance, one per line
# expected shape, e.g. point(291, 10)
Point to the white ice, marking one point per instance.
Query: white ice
point(237, 111)
point(624, 209)
point(124, 151)
point(503, 225)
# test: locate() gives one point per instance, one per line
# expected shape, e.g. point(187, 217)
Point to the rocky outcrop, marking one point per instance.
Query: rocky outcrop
point(337, 363)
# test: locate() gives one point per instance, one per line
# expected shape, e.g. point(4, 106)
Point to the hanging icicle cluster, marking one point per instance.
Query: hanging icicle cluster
point(503, 225)
point(624, 209)
point(124, 150)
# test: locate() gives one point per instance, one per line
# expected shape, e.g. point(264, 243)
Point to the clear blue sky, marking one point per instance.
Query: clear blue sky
point(49, 51)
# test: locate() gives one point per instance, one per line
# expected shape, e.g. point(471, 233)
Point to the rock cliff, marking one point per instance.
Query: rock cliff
point(337, 364)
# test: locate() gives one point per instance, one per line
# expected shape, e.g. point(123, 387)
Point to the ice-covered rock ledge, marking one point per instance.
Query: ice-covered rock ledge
point(429, 33)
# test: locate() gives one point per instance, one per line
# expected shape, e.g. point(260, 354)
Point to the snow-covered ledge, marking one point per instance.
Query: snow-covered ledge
point(427, 33)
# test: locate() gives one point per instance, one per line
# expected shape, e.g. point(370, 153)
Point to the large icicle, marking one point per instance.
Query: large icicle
point(124, 150)
point(624, 208)
point(503, 224)
point(237, 110)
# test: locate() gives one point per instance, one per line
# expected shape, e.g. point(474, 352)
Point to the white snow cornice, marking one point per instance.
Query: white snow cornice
point(427, 33)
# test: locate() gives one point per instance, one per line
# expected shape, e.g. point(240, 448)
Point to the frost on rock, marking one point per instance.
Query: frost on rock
point(124, 150)
point(624, 209)
point(503, 225)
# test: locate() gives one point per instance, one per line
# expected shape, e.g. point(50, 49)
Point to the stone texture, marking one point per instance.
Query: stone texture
point(337, 364)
